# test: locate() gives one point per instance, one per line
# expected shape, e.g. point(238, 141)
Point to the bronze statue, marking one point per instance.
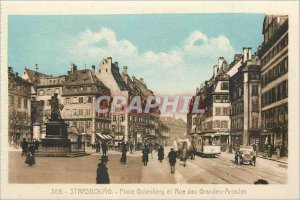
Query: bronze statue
point(55, 108)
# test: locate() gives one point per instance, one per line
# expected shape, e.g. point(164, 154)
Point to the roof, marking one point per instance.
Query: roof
point(171, 120)
point(117, 76)
point(82, 78)
point(142, 87)
point(34, 77)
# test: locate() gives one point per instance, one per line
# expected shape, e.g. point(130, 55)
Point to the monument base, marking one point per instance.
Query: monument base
point(57, 144)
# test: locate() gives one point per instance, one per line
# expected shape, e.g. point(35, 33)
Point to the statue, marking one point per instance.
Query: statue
point(55, 108)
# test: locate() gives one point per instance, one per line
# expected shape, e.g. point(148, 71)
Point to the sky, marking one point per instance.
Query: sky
point(174, 53)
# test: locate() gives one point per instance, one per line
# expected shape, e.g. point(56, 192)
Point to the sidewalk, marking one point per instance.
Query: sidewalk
point(273, 158)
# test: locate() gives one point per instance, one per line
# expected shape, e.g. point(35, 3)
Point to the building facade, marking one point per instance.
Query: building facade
point(274, 82)
point(19, 107)
point(245, 101)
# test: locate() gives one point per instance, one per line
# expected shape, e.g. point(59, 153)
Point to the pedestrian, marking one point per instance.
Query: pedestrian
point(145, 157)
point(184, 156)
point(104, 148)
point(36, 144)
point(102, 171)
point(230, 148)
point(151, 149)
point(124, 151)
point(24, 147)
point(269, 151)
point(160, 153)
point(30, 158)
point(131, 148)
point(254, 159)
point(172, 160)
point(278, 152)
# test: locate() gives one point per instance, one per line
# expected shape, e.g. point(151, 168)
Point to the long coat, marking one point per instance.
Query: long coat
point(145, 157)
point(102, 174)
point(30, 159)
point(160, 153)
point(172, 157)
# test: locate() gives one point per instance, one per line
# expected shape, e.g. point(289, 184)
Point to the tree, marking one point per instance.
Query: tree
point(17, 121)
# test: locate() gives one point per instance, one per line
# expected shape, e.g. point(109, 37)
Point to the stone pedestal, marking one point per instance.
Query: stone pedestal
point(56, 142)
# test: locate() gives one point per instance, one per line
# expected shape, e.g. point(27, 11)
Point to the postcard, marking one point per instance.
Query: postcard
point(149, 100)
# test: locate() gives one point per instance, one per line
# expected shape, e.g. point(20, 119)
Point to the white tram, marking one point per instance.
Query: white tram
point(208, 144)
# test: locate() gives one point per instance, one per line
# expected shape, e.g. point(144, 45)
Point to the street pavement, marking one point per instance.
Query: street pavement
point(220, 170)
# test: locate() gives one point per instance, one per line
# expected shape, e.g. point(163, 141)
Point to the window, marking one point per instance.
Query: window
point(57, 90)
point(114, 118)
point(48, 91)
point(25, 103)
point(75, 100)
point(225, 111)
point(225, 98)
point(217, 124)
point(41, 93)
point(218, 111)
point(254, 90)
point(224, 86)
point(89, 99)
point(74, 112)
point(217, 98)
point(19, 102)
point(75, 123)
point(224, 124)
point(12, 100)
point(255, 107)
point(80, 99)
point(88, 112)
point(254, 122)
point(81, 112)
point(68, 100)
point(122, 118)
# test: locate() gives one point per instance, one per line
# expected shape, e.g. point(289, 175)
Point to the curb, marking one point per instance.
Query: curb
point(284, 162)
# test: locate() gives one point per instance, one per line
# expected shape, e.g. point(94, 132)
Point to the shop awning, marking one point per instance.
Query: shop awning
point(104, 136)
point(119, 137)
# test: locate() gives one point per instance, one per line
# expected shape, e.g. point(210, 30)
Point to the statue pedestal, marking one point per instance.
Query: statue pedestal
point(56, 142)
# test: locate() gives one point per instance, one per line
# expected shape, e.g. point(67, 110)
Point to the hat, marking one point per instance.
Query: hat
point(104, 159)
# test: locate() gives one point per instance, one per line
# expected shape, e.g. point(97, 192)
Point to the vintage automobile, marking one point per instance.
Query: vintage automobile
point(245, 155)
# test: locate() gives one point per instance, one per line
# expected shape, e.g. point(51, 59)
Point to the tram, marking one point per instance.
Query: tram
point(208, 144)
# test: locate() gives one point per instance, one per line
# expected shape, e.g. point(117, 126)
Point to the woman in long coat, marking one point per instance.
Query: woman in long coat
point(172, 159)
point(30, 159)
point(145, 157)
point(124, 156)
point(102, 172)
point(160, 153)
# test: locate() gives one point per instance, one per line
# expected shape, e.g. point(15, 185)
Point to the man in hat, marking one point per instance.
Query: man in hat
point(102, 171)
point(172, 159)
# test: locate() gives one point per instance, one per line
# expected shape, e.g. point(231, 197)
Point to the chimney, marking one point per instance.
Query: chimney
point(220, 62)
point(215, 70)
point(17, 74)
point(73, 68)
point(93, 69)
point(125, 70)
point(109, 60)
point(142, 80)
point(69, 73)
point(246, 54)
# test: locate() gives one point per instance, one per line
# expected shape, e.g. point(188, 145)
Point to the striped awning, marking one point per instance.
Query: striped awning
point(104, 136)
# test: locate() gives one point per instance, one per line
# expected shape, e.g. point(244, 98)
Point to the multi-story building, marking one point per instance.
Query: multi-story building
point(79, 96)
point(274, 82)
point(245, 99)
point(109, 74)
point(77, 93)
point(177, 127)
point(19, 107)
